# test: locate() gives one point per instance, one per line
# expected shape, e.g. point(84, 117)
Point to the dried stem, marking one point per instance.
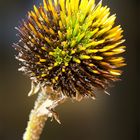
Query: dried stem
point(44, 108)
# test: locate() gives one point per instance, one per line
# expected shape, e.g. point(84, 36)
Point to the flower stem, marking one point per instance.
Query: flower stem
point(43, 109)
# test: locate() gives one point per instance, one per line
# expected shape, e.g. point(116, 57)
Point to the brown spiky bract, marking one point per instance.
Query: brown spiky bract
point(71, 45)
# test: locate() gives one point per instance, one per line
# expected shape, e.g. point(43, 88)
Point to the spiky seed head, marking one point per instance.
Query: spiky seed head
point(71, 45)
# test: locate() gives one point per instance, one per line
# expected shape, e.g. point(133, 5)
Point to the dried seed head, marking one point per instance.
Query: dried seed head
point(71, 45)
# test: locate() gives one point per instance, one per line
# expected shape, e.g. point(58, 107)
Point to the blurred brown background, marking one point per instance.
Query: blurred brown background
point(112, 117)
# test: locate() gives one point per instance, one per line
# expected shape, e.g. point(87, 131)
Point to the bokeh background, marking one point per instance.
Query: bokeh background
point(112, 117)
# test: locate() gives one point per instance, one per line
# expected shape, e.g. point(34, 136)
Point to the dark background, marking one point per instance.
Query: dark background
point(112, 117)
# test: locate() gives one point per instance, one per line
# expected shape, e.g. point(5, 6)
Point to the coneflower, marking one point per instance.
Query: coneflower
point(68, 48)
